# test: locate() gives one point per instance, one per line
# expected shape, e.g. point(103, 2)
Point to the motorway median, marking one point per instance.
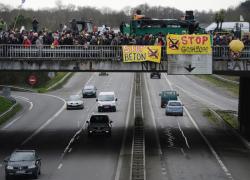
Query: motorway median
point(8, 109)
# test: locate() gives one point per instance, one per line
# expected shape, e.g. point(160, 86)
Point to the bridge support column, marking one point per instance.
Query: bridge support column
point(244, 107)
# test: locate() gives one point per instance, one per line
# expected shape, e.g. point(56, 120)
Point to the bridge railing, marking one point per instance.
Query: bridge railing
point(223, 53)
point(90, 52)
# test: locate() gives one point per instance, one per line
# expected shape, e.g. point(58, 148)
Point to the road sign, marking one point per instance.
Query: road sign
point(190, 64)
point(32, 80)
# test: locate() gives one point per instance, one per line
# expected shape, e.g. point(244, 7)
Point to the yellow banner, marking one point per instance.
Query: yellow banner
point(141, 54)
point(188, 44)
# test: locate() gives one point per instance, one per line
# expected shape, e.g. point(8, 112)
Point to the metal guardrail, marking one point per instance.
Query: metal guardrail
point(90, 52)
point(64, 52)
point(223, 53)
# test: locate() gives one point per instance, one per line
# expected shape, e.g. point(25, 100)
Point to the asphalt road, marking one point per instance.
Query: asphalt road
point(177, 148)
point(191, 147)
point(45, 125)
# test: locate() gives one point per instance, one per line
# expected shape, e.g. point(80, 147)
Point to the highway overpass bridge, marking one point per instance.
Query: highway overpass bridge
point(110, 58)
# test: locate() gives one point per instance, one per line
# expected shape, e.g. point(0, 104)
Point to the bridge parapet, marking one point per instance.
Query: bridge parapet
point(103, 58)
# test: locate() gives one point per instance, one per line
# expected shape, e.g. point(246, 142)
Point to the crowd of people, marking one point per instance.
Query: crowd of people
point(103, 37)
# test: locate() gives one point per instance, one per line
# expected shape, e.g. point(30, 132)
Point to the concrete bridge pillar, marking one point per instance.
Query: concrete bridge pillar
point(244, 107)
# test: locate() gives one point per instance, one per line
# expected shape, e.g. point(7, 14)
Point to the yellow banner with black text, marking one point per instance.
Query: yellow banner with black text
point(141, 54)
point(188, 44)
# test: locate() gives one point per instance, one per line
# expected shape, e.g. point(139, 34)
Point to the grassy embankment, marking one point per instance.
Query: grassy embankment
point(56, 80)
point(230, 87)
point(5, 104)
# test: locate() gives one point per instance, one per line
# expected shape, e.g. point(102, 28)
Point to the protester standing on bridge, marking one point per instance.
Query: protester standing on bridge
point(26, 42)
point(34, 24)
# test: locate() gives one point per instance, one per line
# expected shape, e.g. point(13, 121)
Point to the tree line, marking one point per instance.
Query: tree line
point(51, 18)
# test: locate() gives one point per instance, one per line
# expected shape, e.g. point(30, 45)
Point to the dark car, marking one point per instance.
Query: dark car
point(103, 73)
point(89, 91)
point(23, 162)
point(99, 124)
point(155, 74)
point(168, 96)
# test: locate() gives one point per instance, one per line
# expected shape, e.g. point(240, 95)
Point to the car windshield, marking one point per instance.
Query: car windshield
point(74, 98)
point(166, 93)
point(106, 98)
point(99, 119)
point(174, 104)
point(22, 156)
point(88, 87)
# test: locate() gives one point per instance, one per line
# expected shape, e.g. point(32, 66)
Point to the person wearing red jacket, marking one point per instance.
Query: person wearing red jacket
point(26, 42)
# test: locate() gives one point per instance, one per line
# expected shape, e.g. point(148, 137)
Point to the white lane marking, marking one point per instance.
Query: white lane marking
point(224, 168)
point(88, 82)
point(48, 121)
point(183, 134)
point(199, 98)
point(60, 166)
point(222, 165)
point(153, 118)
point(16, 119)
point(70, 150)
point(11, 123)
point(122, 151)
point(25, 99)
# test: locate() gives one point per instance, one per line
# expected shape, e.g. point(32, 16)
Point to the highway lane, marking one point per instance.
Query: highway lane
point(182, 152)
point(205, 94)
point(37, 109)
point(97, 157)
point(52, 139)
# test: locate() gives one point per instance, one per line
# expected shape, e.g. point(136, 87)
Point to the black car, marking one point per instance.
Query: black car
point(99, 124)
point(89, 91)
point(155, 74)
point(23, 162)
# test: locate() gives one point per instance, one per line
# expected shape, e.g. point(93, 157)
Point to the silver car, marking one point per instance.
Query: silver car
point(89, 91)
point(75, 102)
point(174, 108)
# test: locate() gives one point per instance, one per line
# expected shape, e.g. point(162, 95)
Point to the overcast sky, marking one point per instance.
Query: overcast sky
point(120, 4)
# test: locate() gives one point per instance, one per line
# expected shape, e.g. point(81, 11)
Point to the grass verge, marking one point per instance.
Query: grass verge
point(59, 76)
point(10, 114)
point(226, 116)
point(228, 86)
point(5, 104)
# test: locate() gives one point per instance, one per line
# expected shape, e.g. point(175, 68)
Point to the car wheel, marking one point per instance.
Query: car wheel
point(114, 109)
point(99, 109)
point(35, 174)
point(7, 177)
point(89, 134)
point(109, 134)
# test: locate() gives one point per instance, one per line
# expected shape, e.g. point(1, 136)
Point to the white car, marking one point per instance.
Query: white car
point(106, 101)
point(75, 102)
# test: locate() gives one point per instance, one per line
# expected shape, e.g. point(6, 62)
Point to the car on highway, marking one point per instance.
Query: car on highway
point(174, 108)
point(99, 124)
point(167, 96)
point(75, 102)
point(23, 162)
point(89, 91)
point(106, 101)
point(103, 73)
point(155, 74)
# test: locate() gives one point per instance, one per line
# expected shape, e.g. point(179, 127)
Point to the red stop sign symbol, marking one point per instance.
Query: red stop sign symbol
point(32, 80)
